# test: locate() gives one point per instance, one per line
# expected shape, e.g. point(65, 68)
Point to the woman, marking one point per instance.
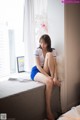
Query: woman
point(45, 69)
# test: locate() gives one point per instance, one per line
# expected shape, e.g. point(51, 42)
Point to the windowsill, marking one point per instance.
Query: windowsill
point(24, 75)
point(11, 87)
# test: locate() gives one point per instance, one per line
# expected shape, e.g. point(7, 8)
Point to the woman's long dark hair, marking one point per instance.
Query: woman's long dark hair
point(47, 40)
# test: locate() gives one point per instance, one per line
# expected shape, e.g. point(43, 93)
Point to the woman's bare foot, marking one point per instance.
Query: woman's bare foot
point(57, 82)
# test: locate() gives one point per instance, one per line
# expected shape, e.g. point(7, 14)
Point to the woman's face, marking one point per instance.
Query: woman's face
point(43, 44)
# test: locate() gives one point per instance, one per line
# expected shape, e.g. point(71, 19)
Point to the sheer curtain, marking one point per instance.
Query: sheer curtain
point(35, 24)
point(4, 50)
point(41, 24)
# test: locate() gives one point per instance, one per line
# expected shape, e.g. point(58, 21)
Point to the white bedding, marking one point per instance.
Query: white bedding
point(73, 114)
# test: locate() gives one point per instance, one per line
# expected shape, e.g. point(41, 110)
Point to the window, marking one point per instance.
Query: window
point(11, 35)
point(4, 50)
point(12, 45)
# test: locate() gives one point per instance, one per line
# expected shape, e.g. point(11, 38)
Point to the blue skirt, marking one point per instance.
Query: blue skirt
point(34, 71)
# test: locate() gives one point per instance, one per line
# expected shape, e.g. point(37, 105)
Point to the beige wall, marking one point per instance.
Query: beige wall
point(72, 55)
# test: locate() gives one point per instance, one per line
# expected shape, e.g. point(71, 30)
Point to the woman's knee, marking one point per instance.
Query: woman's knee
point(49, 54)
point(49, 82)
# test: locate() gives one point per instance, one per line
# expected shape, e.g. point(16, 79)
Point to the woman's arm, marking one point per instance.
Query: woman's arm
point(39, 66)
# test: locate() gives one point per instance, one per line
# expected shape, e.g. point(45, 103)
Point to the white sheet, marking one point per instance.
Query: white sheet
point(73, 114)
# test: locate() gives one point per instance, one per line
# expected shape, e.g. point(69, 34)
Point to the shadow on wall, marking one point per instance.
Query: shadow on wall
point(61, 77)
point(77, 91)
point(59, 45)
point(60, 67)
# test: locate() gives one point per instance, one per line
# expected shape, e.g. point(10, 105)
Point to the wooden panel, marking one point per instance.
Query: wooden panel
point(72, 55)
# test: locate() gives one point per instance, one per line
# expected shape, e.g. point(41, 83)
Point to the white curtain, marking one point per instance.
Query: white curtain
point(41, 24)
point(4, 49)
point(35, 17)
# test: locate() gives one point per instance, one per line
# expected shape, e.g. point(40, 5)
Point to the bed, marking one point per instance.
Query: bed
point(73, 114)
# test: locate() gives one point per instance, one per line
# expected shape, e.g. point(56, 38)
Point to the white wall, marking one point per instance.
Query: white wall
point(56, 24)
point(56, 32)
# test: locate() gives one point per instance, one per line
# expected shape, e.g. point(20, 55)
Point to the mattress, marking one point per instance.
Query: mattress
point(73, 114)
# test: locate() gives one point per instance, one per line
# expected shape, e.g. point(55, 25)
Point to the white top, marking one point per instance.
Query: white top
point(38, 53)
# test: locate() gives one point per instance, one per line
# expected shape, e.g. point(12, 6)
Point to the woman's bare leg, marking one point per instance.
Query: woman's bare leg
point(49, 64)
point(49, 85)
point(56, 80)
point(50, 67)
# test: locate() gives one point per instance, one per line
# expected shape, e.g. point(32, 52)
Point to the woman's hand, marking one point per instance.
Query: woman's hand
point(50, 77)
point(56, 81)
